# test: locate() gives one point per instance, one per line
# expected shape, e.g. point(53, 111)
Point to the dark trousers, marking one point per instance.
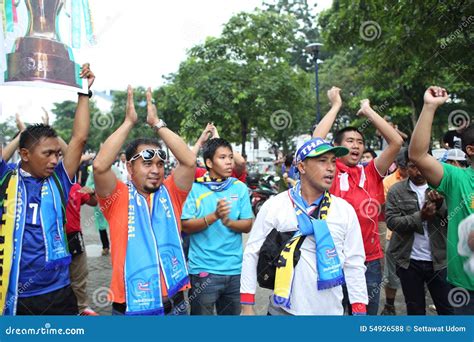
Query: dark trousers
point(59, 302)
point(104, 238)
point(413, 280)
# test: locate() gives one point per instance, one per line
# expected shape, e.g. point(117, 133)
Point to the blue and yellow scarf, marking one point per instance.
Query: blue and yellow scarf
point(12, 229)
point(216, 184)
point(154, 246)
point(330, 273)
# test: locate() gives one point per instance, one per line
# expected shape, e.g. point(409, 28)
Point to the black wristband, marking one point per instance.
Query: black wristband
point(88, 94)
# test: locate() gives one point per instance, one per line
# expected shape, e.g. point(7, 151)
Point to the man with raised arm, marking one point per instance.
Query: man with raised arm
point(149, 270)
point(361, 185)
point(34, 277)
point(455, 184)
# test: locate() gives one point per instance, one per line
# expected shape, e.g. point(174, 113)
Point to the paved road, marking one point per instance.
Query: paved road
point(100, 274)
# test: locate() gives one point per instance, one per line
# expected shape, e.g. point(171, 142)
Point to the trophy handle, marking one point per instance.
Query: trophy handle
point(60, 6)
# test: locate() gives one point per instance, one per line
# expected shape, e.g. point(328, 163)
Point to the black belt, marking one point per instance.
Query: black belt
point(167, 304)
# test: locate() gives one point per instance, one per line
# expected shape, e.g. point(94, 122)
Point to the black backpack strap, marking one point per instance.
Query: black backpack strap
point(298, 245)
point(297, 249)
point(297, 254)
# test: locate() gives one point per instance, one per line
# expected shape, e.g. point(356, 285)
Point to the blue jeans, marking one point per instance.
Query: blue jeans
point(209, 291)
point(373, 279)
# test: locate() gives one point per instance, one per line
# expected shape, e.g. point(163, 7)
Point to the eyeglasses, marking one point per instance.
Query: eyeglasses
point(149, 154)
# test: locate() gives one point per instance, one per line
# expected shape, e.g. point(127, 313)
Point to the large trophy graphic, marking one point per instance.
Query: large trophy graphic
point(40, 56)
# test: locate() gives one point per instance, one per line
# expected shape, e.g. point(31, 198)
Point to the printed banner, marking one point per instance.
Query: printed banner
point(38, 39)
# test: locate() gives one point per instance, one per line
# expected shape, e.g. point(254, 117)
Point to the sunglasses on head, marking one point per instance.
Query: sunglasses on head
point(149, 154)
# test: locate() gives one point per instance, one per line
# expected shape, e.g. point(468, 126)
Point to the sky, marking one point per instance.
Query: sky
point(137, 43)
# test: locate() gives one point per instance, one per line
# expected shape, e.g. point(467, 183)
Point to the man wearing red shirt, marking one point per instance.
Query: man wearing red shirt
point(362, 186)
point(78, 271)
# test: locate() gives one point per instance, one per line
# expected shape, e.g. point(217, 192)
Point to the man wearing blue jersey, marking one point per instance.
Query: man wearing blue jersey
point(34, 259)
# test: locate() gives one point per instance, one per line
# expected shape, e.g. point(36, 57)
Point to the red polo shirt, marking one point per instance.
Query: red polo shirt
point(73, 209)
point(362, 187)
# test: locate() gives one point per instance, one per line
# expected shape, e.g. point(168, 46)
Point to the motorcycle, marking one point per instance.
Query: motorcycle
point(261, 189)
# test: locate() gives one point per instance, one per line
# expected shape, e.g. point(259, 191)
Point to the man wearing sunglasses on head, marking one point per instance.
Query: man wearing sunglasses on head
point(149, 271)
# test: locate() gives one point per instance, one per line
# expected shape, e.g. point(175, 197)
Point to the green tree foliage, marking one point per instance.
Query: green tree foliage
point(308, 32)
point(401, 48)
point(7, 130)
point(243, 81)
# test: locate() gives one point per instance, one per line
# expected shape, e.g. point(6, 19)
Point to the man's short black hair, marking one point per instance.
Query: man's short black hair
point(467, 138)
point(372, 152)
point(210, 147)
point(339, 136)
point(132, 147)
point(289, 159)
point(33, 133)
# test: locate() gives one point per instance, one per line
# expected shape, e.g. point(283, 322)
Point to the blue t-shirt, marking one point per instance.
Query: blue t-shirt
point(216, 249)
point(34, 279)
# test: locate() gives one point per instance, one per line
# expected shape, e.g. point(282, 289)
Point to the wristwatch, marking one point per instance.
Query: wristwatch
point(160, 124)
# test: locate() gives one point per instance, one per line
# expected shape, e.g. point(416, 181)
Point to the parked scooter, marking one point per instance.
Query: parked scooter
point(262, 188)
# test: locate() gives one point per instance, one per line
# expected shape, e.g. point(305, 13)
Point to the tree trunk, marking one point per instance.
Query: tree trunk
point(285, 145)
point(244, 126)
point(414, 113)
point(416, 106)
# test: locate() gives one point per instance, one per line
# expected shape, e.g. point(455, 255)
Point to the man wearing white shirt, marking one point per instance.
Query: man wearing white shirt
point(417, 217)
point(121, 166)
point(316, 163)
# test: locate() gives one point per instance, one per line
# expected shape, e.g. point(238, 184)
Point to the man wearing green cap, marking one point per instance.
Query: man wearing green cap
point(326, 235)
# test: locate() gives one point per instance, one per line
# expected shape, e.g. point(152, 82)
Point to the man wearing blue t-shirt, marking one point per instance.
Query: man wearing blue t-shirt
point(216, 213)
point(34, 276)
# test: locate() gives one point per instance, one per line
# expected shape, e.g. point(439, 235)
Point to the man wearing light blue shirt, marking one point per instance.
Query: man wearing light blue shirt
point(216, 213)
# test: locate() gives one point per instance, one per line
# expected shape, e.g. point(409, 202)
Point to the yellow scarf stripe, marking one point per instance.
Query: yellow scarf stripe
point(6, 238)
point(285, 269)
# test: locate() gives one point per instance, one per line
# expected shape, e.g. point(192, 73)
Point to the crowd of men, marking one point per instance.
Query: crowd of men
point(327, 245)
